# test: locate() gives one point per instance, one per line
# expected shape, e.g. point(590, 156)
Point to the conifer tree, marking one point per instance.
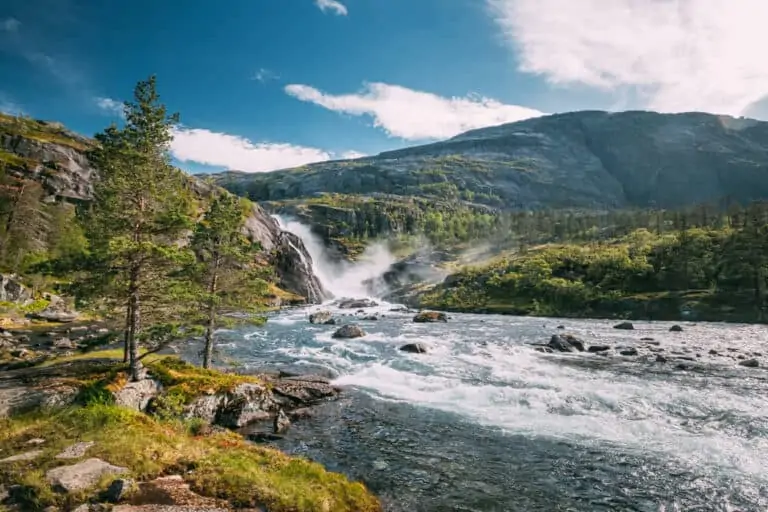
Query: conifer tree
point(225, 272)
point(140, 211)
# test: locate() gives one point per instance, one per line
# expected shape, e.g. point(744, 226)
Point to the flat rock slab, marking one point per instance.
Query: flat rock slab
point(82, 475)
point(165, 508)
point(75, 451)
point(32, 455)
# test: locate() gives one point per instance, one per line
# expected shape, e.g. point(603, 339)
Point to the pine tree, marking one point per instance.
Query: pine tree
point(224, 272)
point(140, 210)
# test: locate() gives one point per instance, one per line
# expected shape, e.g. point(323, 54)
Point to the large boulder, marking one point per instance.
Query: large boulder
point(625, 326)
point(57, 311)
point(321, 317)
point(137, 395)
point(81, 476)
point(414, 348)
point(357, 303)
point(11, 290)
point(565, 343)
point(430, 317)
point(349, 331)
point(245, 404)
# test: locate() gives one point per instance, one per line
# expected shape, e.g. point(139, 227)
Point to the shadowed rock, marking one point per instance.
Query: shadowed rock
point(349, 331)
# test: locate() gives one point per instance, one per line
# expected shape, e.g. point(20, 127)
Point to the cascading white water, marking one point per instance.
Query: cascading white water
point(341, 278)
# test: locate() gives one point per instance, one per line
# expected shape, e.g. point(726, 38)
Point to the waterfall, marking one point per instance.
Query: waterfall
point(340, 277)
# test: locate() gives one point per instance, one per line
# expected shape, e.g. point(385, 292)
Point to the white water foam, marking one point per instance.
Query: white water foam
point(341, 278)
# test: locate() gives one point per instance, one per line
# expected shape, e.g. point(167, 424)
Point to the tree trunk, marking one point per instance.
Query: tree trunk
point(133, 322)
point(125, 335)
point(211, 327)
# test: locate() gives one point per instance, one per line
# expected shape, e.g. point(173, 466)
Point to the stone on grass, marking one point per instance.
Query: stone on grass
point(82, 475)
point(75, 451)
point(31, 455)
point(136, 395)
point(119, 489)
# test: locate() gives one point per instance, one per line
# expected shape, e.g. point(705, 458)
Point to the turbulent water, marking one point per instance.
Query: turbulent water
point(483, 422)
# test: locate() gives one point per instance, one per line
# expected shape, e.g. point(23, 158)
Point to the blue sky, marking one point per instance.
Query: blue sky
point(266, 84)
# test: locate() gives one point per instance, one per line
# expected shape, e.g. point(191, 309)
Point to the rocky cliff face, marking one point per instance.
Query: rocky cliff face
point(580, 159)
point(54, 157)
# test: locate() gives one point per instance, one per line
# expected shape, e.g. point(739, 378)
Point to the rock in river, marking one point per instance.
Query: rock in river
point(675, 328)
point(565, 343)
point(594, 349)
point(414, 348)
point(357, 303)
point(750, 363)
point(349, 331)
point(626, 326)
point(321, 317)
point(430, 317)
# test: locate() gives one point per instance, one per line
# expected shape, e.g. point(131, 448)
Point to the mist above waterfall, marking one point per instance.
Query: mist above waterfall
point(340, 277)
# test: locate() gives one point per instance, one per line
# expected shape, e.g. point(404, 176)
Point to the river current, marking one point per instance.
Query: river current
point(484, 422)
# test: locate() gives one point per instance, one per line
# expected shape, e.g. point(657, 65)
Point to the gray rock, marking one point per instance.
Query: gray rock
point(349, 331)
point(332, 321)
point(750, 363)
point(430, 317)
point(321, 317)
point(81, 476)
point(660, 358)
point(64, 344)
point(357, 304)
point(626, 326)
point(675, 328)
point(137, 395)
point(565, 343)
point(11, 290)
point(31, 455)
point(598, 348)
point(75, 451)
point(36, 441)
point(57, 311)
point(281, 422)
point(414, 348)
point(245, 404)
point(119, 489)
point(629, 352)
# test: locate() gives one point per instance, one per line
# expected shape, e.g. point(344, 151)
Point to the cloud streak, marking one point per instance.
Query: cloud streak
point(238, 153)
point(682, 55)
point(264, 75)
point(415, 115)
point(332, 5)
point(10, 25)
point(110, 106)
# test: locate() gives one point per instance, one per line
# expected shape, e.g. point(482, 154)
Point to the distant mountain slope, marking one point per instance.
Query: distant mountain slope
point(585, 159)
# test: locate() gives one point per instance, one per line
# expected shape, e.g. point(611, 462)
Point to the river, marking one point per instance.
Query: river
point(483, 422)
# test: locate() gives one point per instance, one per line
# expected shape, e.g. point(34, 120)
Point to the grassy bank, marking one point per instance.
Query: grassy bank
point(706, 275)
point(215, 464)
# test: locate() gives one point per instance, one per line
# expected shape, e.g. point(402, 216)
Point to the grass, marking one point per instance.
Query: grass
point(221, 465)
point(109, 354)
point(188, 382)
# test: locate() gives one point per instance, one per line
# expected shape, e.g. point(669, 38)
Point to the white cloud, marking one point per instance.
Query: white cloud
point(351, 155)
point(264, 75)
point(416, 115)
point(238, 153)
point(337, 7)
point(110, 106)
point(10, 24)
point(678, 55)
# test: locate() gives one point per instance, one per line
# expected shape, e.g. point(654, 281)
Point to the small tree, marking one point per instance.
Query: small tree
point(224, 271)
point(140, 211)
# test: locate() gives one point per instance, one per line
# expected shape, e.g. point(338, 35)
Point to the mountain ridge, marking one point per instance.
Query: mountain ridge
point(586, 159)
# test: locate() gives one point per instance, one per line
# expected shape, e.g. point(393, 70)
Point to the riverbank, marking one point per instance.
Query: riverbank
point(76, 433)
